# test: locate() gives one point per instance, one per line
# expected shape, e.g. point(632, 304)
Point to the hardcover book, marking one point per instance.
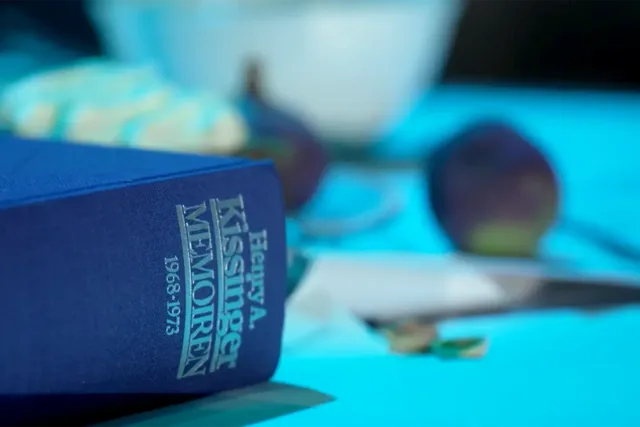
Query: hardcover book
point(134, 274)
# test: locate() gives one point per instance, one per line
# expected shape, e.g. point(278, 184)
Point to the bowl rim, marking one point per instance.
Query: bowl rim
point(262, 7)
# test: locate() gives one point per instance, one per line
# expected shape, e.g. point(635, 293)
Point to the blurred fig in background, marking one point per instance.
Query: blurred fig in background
point(275, 134)
point(492, 191)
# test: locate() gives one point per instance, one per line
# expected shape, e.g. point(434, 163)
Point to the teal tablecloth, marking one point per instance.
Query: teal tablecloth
point(556, 369)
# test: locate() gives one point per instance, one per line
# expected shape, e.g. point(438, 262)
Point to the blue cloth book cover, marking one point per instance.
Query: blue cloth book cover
point(131, 273)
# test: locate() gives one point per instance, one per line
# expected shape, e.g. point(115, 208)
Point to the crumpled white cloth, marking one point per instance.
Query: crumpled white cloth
point(316, 325)
point(108, 103)
point(324, 316)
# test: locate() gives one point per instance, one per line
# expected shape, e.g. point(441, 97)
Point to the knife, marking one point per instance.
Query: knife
point(388, 288)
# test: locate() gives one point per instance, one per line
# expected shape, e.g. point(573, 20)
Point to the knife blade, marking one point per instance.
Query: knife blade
point(384, 288)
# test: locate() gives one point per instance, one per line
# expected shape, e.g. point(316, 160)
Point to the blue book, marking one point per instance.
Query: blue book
point(130, 276)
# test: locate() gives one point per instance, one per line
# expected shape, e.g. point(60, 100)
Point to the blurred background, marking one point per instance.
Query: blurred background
point(372, 82)
point(588, 43)
point(563, 43)
point(499, 128)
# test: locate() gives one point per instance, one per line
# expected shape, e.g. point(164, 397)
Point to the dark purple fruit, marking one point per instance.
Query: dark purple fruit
point(492, 192)
point(299, 158)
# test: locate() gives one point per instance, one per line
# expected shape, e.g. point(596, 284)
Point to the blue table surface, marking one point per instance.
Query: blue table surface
point(553, 369)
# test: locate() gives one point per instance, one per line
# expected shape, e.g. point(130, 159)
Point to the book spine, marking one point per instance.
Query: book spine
point(174, 286)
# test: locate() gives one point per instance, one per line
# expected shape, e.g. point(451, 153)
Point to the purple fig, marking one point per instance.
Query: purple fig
point(492, 191)
point(299, 158)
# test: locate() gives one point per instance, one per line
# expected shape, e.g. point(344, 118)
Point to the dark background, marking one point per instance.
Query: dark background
point(555, 42)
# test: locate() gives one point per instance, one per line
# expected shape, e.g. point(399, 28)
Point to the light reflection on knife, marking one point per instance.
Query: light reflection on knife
point(388, 288)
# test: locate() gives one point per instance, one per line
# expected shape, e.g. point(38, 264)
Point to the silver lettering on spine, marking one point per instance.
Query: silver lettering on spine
point(187, 285)
point(214, 235)
point(200, 291)
point(218, 237)
point(233, 224)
